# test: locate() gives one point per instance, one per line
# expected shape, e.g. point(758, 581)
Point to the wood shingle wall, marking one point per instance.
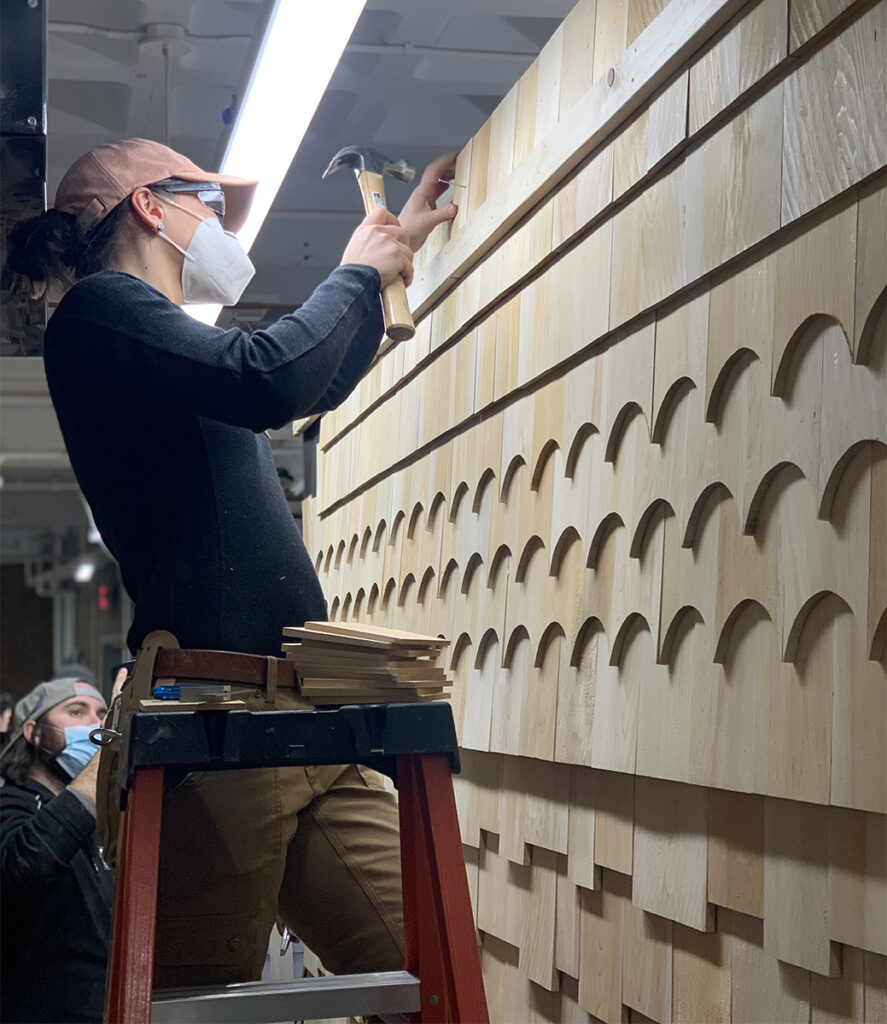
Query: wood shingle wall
point(634, 465)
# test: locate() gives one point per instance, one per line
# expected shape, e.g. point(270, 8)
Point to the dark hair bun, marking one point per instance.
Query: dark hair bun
point(44, 248)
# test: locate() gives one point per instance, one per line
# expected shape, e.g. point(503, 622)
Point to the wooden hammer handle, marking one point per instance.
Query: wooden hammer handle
point(399, 324)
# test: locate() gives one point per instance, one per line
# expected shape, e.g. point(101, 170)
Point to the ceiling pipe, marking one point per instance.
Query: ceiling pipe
point(418, 50)
point(156, 32)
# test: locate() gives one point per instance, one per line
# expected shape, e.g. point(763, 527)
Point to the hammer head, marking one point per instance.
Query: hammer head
point(365, 158)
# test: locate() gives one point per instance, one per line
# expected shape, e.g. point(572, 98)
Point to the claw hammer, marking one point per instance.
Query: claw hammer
point(370, 167)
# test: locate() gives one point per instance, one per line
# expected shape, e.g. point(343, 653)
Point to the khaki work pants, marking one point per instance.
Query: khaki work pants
point(320, 846)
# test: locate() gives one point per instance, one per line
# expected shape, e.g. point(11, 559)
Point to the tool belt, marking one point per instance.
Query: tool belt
point(161, 660)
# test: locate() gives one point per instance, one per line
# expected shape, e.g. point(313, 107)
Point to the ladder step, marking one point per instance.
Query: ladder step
point(261, 1002)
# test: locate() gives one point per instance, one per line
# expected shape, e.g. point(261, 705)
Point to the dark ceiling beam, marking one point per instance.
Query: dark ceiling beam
point(22, 156)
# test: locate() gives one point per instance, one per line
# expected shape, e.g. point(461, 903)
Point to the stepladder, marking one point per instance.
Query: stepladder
point(415, 744)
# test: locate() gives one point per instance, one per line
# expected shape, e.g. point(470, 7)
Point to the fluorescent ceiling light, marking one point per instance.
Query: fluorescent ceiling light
point(302, 46)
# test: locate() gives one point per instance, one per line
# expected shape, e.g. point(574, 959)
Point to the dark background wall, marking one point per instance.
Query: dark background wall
point(25, 633)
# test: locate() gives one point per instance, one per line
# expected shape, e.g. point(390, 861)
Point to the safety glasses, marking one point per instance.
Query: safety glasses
point(209, 193)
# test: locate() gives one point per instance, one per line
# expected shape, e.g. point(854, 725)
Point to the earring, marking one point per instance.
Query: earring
point(160, 227)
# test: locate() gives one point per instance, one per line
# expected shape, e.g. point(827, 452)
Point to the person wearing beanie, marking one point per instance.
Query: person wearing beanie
point(185, 494)
point(55, 915)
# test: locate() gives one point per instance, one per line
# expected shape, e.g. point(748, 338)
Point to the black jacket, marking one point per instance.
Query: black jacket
point(163, 418)
point(56, 908)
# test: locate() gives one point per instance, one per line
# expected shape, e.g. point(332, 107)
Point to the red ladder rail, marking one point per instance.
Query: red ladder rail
point(441, 942)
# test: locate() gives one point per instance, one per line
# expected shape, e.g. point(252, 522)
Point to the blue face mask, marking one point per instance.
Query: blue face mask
point(79, 749)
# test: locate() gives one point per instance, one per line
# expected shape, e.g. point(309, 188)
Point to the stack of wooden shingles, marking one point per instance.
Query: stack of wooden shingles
point(354, 663)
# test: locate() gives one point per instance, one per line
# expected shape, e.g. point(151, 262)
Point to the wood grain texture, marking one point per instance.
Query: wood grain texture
point(859, 721)
point(567, 930)
point(701, 976)
point(839, 999)
point(550, 64)
point(501, 145)
point(857, 912)
point(651, 135)
point(647, 249)
point(577, 66)
point(614, 821)
point(740, 55)
point(721, 223)
point(736, 851)
point(763, 988)
point(796, 886)
point(647, 963)
point(633, 468)
point(671, 852)
point(581, 868)
point(538, 921)
point(650, 61)
point(809, 19)
point(871, 260)
point(600, 963)
point(841, 86)
point(875, 974)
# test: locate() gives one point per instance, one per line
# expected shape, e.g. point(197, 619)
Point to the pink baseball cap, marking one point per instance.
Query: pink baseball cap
point(106, 175)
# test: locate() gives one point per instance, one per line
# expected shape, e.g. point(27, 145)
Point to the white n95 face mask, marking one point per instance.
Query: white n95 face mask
point(216, 268)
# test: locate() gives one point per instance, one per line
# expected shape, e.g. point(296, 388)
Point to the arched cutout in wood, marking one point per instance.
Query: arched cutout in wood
point(567, 539)
point(778, 478)
point(653, 514)
point(548, 450)
point(518, 635)
point(673, 398)
point(425, 587)
point(340, 550)
point(633, 624)
point(534, 544)
point(474, 563)
point(503, 553)
point(552, 631)
point(456, 504)
point(626, 414)
point(582, 435)
point(486, 479)
point(804, 337)
point(510, 473)
point(451, 569)
point(725, 646)
point(833, 480)
point(873, 337)
point(462, 644)
point(587, 631)
point(727, 377)
point(709, 498)
point(608, 525)
point(352, 549)
point(487, 642)
point(415, 519)
point(437, 503)
point(379, 535)
point(795, 631)
point(405, 588)
point(682, 620)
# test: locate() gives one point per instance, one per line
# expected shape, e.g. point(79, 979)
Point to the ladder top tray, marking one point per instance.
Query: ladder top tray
point(374, 735)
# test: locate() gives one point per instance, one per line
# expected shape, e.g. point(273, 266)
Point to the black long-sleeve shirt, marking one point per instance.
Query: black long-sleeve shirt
point(57, 900)
point(163, 418)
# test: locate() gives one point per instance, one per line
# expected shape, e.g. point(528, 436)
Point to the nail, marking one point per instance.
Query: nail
point(455, 184)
